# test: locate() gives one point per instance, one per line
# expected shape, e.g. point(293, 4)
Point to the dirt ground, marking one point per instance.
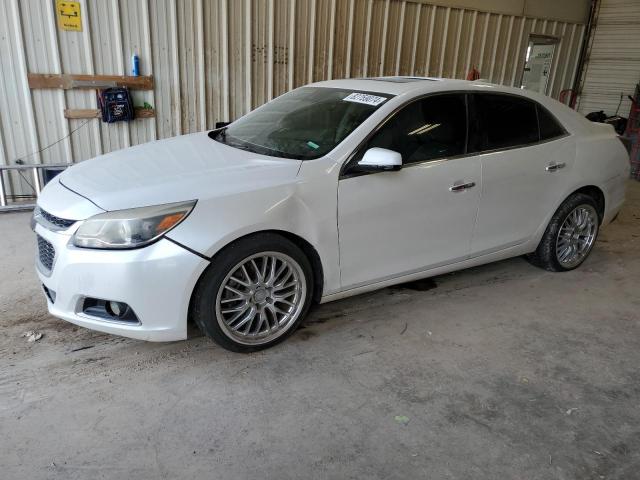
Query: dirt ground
point(499, 372)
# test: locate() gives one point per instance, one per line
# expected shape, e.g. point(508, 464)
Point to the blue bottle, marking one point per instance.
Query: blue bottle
point(135, 65)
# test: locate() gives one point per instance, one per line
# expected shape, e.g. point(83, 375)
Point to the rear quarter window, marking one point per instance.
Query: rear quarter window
point(549, 127)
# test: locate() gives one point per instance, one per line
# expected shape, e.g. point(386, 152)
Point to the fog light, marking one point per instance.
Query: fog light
point(117, 309)
point(109, 310)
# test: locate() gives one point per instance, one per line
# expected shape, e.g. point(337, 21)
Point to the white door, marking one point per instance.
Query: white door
point(524, 171)
point(395, 223)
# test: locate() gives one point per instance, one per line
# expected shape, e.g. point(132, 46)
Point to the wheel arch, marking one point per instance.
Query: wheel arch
point(594, 192)
point(307, 248)
point(591, 190)
point(313, 256)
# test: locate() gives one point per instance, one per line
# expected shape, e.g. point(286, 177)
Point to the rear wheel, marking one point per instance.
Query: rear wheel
point(570, 235)
point(254, 294)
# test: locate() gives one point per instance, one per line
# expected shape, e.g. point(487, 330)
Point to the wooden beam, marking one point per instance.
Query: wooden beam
point(95, 113)
point(67, 82)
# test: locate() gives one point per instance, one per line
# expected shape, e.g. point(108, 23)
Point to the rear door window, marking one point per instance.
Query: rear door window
point(503, 121)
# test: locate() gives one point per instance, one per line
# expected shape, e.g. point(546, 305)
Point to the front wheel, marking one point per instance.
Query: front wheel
point(570, 235)
point(254, 294)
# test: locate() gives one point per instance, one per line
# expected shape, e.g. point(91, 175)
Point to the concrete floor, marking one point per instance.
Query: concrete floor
point(502, 372)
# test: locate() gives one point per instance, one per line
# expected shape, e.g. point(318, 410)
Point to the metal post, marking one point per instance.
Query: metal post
point(3, 195)
point(36, 181)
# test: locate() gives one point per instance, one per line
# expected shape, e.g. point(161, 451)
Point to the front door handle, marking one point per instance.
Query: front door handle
point(461, 187)
point(552, 167)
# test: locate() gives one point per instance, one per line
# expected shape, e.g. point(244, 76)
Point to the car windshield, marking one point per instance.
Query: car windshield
point(303, 124)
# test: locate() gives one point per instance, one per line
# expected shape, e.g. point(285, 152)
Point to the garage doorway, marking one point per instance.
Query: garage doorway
point(537, 64)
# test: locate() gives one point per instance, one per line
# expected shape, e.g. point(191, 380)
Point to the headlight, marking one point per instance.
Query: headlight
point(131, 228)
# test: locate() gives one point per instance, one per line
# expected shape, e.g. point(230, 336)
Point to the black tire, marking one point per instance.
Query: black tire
point(203, 302)
point(545, 255)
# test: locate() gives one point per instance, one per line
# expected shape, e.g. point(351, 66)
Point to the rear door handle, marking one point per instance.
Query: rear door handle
point(552, 167)
point(461, 187)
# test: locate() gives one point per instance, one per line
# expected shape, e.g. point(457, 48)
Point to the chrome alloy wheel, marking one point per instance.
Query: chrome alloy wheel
point(261, 298)
point(576, 236)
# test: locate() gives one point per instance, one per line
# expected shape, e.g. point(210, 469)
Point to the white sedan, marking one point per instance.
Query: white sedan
point(331, 190)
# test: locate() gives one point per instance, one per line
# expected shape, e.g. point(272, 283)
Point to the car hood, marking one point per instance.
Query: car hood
point(177, 169)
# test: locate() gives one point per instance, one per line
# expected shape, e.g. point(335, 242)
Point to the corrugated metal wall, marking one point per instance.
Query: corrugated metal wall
point(613, 64)
point(214, 60)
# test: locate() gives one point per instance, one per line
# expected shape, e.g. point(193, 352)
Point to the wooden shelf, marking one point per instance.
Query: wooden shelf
point(95, 113)
point(68, 82)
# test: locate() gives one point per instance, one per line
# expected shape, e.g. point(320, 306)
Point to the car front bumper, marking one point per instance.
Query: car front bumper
point(155, 281)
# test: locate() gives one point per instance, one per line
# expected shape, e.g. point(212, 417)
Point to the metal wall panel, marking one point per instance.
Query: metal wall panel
point(613, 63)
point(17, 113)
point(77, 56)
point(213, 60)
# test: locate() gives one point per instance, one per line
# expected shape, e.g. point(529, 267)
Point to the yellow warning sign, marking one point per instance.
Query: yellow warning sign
point(69, 17)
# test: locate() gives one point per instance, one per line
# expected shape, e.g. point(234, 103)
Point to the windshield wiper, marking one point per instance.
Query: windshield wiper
point(220, 135)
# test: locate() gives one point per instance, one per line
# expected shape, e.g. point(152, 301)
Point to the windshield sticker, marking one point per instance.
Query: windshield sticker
point(313, 145)
point(367, 99)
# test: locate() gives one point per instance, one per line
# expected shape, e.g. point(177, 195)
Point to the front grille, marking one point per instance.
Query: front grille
point(57, 221)
point(46, 253)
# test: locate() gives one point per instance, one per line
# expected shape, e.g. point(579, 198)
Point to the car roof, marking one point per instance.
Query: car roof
point(409, 87)
point(399, 85)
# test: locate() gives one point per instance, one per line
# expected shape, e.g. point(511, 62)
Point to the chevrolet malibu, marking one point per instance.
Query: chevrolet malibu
point(333, 189)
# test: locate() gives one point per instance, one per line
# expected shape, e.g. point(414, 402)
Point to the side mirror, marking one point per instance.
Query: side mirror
point(380, 159)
